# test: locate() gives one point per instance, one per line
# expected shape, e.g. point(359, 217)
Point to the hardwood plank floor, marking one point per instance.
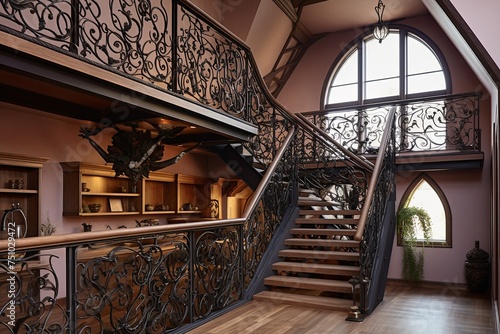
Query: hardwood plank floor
point(408, 309)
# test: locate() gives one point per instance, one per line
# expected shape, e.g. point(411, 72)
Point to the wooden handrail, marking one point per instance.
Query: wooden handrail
point(376, 171)
point(254, 200)
point(74, 239)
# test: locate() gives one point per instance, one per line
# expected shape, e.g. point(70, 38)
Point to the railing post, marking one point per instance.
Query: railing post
point(192, 257)
point(174, 46)
point(71, 289)
point(354, 313)
point(75, 20)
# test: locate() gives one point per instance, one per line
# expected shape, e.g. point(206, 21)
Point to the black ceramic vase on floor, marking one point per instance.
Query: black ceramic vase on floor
point(477, 269)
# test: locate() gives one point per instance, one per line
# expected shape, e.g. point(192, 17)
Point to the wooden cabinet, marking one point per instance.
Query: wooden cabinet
point(160, 193)
point(193, 195)
point(20, 183)
point(89, 184)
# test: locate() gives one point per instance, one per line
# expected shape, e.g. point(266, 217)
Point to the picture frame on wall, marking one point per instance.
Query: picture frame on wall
point(115, 205)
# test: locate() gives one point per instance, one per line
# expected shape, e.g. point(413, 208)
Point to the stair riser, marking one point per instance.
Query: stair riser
point(297, 269)
point(322, 243)
point(305, 286)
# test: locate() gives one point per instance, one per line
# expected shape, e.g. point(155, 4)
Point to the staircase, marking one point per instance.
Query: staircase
point(320, 258)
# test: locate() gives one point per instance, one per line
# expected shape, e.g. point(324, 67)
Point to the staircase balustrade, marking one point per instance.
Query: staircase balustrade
point(376, 226)
point(176, 275)
point(438, 123)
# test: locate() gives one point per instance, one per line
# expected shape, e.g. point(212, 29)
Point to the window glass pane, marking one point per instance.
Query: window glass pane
point(425, 197)
point(382, 59)
point(343, 94)
point(344, 86)
point(348, 71)
point(426, 82)
point(382, 88)
point(421, 58)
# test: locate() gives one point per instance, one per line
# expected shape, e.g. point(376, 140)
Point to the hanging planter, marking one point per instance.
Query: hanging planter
point(408, 219)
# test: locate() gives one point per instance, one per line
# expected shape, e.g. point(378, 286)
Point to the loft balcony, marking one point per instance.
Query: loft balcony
point(83, 61)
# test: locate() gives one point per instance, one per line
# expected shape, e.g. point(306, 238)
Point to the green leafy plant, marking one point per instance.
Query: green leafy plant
point(408, 219)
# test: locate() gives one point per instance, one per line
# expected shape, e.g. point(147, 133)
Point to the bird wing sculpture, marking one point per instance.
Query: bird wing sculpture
point(136, 152)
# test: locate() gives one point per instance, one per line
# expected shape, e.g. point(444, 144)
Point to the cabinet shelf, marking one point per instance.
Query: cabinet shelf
point(156, 212)
point(27, 170)
point(111, 194)
point(18, 191)
point(160, 189)
point(114, 213)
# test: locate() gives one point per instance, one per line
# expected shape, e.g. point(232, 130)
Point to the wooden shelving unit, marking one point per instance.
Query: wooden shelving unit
point(29, 170)
point(165, 192)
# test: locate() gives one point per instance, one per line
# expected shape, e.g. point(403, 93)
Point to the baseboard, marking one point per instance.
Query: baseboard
point(495, 315)
point(428, 284)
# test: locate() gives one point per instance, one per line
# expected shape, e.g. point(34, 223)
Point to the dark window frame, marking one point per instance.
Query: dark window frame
point(447, 210)
point(358, 44)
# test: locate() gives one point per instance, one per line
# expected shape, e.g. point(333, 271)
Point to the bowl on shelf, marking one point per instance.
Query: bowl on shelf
point(95, 207)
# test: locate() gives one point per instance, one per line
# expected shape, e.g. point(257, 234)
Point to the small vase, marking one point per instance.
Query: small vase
point(477, 269)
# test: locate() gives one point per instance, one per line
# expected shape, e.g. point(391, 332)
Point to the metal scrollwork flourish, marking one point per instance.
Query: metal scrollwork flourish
point(135, 288)
point(29, 299)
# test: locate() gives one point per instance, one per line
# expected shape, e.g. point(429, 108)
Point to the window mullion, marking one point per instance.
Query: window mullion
point(403, 63)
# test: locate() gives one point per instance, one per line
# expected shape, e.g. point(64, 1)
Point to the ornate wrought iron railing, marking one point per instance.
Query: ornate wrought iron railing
point(376, 217)
point(128, 281)
point(169, 45)
point(175, 274)
point(149, 279)
point(441, 123)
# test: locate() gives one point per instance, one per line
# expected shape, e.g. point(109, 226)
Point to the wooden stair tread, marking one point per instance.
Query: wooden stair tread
point(318, 284)
point(316, 268)
point(311, 201)
point(304, 212)
point(320, 255)
point(321, 242)
point(323, 231)
point(319, 302)
point(333, 221)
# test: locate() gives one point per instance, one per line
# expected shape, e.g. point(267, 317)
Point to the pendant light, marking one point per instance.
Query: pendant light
point(381, 30)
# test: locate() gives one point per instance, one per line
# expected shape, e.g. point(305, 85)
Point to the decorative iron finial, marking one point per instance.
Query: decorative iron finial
point(381, 30)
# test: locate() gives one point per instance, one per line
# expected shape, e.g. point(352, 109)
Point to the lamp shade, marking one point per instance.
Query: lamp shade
point(380, 32)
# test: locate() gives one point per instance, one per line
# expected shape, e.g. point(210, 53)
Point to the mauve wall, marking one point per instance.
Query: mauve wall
point(467, 191)
point(482, 18)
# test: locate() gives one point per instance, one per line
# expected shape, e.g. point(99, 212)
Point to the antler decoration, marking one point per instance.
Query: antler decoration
point(137, 152)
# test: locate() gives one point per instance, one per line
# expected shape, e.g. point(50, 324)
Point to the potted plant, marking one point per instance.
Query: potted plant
point(408, 219)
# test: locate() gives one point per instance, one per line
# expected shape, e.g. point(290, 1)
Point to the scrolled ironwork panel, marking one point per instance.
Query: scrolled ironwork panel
point(211, 68)
point(263, 222)
point(45, 20)
point(447, 124)
point(323, 170)
point(136, 287)
point(217, 264)
point(130, 36)
point(384, 187)
point(29, 290)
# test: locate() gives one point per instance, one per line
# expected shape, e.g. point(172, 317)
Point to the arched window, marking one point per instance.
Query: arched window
point(423, 192)
point(406, 64)
point(370, 77)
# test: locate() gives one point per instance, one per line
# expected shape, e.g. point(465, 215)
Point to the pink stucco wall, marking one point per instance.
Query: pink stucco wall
point(482, 18)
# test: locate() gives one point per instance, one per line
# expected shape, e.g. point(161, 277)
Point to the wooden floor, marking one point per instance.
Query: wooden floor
point(406, 309)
